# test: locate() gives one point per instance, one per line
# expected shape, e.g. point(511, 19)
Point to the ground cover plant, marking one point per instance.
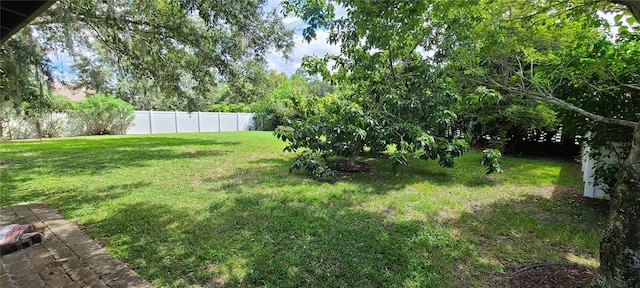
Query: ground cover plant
point(220, 209)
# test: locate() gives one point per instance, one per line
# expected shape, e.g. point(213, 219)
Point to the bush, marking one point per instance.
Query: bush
point(52, 125)
point(285, 103)
point(53, 121)
point(229, 107)
point(60, 103)
point(102, 114)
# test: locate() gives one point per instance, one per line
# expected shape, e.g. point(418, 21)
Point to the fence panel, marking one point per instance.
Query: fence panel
point(229, 122)
point(141, 123)
point(245, 121)
point(589, 166)
point(146, 122)
point(209, 122)
point(187, 122)
point(163, 122)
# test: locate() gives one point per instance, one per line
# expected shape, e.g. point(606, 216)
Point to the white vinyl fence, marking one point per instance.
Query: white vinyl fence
point(145, 122)
point(589, 166)
point(150, 122)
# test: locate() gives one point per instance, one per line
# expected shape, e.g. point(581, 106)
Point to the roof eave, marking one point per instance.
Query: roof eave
point(43, 7)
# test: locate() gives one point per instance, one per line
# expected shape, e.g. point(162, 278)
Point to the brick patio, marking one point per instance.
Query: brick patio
point(66, 258)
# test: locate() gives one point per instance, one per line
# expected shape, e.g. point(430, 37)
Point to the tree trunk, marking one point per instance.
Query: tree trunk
point(620, 246)
point(632, 5)
point(351, 161)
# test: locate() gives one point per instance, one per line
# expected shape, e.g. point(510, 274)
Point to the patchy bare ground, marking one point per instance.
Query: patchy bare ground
point(600, 205)
point(355, 167)
point(554, 275)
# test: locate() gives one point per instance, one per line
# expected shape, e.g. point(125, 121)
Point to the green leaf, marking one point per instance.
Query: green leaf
point(623, 29)
point(631, 20)
point(618, 17)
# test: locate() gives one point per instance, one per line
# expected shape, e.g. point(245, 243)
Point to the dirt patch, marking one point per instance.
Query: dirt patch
point(355, 167)
point(554, 275)
point(574, 196)
point(600, 205)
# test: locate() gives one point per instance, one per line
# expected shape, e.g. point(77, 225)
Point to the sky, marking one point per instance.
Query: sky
point(318, 46)
point(61, 61)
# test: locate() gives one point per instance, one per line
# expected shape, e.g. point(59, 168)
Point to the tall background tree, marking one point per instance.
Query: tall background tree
point(549, 51)
point(163, 54)
point(25, 78)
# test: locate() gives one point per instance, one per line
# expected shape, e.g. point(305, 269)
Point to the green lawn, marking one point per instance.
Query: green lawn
point(212, 208)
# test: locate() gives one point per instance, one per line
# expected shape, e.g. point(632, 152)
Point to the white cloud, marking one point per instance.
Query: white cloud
point(318, 46)
point(613, 29)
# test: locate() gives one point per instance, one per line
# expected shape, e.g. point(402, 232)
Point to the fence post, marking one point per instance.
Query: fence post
point(176, 118)
point(237, 121)
point(199, 123)
point(219, 121)
point(150, 121)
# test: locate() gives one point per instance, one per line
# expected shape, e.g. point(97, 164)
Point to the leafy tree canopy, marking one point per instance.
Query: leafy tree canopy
point(25, 73)
point(176, 50)
point(392, 99)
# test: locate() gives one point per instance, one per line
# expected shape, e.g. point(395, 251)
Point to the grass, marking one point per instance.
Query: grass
point(221, 209)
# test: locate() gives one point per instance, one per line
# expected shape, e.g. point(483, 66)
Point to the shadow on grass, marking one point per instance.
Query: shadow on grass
point(555, 225)
point(9, 182)
point(261, 226)
point(468, 171)
point(381, 179)
point(256, 240)
point(97, 155)
point(67, 200)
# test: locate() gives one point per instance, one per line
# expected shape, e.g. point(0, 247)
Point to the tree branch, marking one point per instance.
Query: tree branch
point(393, 70)
point(632, 86)
point(553, 8)
point(632, 5)
point(544, 94)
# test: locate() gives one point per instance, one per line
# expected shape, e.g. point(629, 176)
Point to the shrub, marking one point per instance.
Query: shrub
point(53, 121)
point(52, 124)
point(61, 103)
point(285, 103)
point(490, 160)
point(102, 114)
point(334, 127)
point(229, 107)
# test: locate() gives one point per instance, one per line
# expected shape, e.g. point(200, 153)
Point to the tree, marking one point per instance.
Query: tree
point(576, 75)
point(25, 77)
point(593, 72)
point(513, 47)
point(389, 95)
point(174, 50)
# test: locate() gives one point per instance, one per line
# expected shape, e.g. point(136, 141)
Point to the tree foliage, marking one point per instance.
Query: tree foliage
point(25, 73)
point(282, 103)
point(25, 79)
point(540, 50)
point(169, 54)
point(389, 97)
